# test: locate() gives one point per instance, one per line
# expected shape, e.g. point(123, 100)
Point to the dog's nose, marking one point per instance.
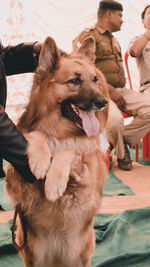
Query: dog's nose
point(101, 103)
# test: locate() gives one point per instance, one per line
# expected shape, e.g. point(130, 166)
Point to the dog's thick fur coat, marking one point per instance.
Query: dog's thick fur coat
point(66, 113)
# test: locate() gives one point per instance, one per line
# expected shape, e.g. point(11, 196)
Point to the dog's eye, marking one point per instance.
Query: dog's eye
point(95, 79)
point(75, 81)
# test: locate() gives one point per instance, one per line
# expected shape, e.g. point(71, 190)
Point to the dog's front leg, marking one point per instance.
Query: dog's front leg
point(58, 174)
point(39, 154)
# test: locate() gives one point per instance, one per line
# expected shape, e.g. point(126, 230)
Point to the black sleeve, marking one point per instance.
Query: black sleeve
point(13, 146)
point(19, 59)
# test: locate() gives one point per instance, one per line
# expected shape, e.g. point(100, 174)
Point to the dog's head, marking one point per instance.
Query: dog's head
point(70, 89)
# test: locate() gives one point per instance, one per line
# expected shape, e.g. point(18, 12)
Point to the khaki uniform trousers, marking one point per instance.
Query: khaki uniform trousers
point(137, 105)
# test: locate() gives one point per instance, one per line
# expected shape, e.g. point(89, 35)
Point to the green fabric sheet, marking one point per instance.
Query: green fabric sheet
point(4, 199)
point(114, 186)
point(8, 255)
point(122, 240)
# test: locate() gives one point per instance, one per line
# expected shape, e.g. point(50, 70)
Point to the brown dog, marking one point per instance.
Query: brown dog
point(66, 113)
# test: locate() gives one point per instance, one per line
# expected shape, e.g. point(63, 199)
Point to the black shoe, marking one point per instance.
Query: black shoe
point(125, 163)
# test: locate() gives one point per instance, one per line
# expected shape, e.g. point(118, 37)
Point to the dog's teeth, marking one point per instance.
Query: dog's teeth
point(79, 125)
point(74, 108)
point(77, 111)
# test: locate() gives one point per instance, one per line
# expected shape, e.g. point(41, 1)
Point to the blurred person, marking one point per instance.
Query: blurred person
point(139, 47)
point(109, 61)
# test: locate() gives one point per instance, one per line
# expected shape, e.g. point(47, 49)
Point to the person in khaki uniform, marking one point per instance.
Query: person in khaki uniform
point(139, 47)
point(109, 61)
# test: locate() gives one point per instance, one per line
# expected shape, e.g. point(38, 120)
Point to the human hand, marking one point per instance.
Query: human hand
point(118, 99)
point(147, 21)
point(37, 47)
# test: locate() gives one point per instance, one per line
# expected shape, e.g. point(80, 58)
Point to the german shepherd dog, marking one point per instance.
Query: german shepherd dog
point(66, 113)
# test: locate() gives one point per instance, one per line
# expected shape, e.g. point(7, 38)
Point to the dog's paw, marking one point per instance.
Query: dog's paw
point(38, 154)
point(54, 189)
point(56, 182)
point(57, 177)
point(39, 166)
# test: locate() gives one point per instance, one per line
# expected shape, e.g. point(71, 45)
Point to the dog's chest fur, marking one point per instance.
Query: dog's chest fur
point(79, 145)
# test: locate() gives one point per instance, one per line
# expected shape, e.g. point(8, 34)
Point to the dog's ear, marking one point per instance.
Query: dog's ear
point(88, 48)
point(49, 57)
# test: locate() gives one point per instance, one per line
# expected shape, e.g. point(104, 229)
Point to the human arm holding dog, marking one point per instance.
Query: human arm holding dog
point(13, 145)
point(21, 58)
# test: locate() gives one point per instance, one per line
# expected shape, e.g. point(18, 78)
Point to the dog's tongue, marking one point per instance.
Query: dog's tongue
point(89, 122)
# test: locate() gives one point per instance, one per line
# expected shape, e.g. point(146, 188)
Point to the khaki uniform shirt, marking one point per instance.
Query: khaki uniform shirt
point(108, 54)
point(143, 62)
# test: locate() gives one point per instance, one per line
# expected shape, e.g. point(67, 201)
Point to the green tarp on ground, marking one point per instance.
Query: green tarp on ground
point(122, 240)
point(114, 186)
point(8, 255)
point(4, 199)
point(11, 260)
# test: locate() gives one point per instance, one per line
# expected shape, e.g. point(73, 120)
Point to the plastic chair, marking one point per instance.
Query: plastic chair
point(146, 139)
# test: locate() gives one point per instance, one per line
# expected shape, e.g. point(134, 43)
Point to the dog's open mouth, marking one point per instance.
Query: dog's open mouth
point(84, 119)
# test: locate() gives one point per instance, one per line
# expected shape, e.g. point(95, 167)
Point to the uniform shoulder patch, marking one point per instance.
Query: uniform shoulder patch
point(81, 37)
